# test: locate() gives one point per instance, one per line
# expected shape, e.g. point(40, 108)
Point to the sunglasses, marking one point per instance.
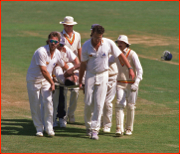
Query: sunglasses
point(53, 41)
point(61, 45)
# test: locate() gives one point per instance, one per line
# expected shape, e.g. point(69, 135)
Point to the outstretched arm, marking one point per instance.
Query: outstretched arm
point(47, 77)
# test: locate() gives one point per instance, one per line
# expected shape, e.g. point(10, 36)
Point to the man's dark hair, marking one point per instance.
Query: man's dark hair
point(53, 34)
point(98, 29)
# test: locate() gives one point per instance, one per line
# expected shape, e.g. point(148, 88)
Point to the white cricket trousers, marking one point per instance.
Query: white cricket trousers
point(108, 106)
point(125, 97)
point(34, 92)
point(72, 102)
point(95, 94)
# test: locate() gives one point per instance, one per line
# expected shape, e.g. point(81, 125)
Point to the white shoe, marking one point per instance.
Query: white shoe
point(40, 134)
point(71, 119)
point(106, 129)
point(128, 132)
point(62, 122)
point(94, 135)
point(118, 132)
point(50, 133)
point(55, 123)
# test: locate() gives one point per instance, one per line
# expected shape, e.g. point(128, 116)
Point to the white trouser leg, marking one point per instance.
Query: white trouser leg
point(33, 94)
point(120, 105)
point(87, 115)
point(73, 101)
point(48, 106)
point(108, 106)
point(131, 109)
point(99, 95)
point(42, 108)
point(88, 99)
point(130, 116)
point(120, 119)
point(55, 103)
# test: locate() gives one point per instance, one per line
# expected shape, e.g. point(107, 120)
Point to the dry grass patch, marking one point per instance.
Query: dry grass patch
point(153, 108)
point(154, 40)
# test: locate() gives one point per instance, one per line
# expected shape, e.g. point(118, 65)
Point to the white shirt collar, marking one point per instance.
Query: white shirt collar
point(48, 50)
point(125, 50)
point(64, 32)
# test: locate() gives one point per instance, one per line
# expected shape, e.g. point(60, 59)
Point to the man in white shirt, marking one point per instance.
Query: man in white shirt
point(94, 60)
point(39, 82)
point(127, 88)
point(72, 41)
point(58, 97)
point(106, 120)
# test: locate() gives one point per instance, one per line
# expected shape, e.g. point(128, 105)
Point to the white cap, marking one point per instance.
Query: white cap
point(123, 38)
point(68, 20)
point(62, 41)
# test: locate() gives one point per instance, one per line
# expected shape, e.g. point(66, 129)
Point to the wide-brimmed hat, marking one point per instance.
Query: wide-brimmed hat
point(92, 26)
point(123, 38)
point(68, 20)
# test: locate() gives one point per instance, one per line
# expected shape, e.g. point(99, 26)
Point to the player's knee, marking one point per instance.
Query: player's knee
point(108, 105)
point(131, 106)
point(120, 105)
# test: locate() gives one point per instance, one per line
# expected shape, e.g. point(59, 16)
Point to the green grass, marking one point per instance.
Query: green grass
point(152, 27)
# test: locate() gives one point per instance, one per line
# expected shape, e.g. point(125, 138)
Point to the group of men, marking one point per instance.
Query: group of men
point(101, 67)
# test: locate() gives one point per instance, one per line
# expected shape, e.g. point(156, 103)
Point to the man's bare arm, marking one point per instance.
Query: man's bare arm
point(81, 72)
point(79, 54)
point(47, 77)
point(122, 58)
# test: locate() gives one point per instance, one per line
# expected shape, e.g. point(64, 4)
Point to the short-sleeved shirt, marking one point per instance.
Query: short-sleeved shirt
point(98, 60)
point(73, 42)
point(42, 57)
point(68, 56)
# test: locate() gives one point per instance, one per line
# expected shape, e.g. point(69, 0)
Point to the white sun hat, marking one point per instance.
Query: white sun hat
point(123, 38)
point(68, 20)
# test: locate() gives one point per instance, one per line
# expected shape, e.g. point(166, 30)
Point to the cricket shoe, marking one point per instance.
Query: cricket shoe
point(51, 133)
point(128, 132)
point(62, 123)
point(71, 119)
point(119, 133)
point(106, 130)
point(94, 135)
point(39, 134)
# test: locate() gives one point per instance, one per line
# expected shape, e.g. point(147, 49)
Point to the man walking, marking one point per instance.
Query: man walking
point(94, 60)
point(72, 41)
point(69, 57)
point(106, 121)
point(127, 88)
point(39, 82)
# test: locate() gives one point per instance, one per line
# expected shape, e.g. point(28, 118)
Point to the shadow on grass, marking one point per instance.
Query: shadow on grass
point(26, 127)
point(76, 123)
point(17, 127)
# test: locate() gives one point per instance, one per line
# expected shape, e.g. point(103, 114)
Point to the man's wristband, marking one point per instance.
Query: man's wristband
point(130, 68)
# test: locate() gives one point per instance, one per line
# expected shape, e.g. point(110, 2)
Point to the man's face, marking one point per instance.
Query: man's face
point(122, 45)
point(53, 43)
point(96, 38)
point(60, 47)
point(68, 28)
